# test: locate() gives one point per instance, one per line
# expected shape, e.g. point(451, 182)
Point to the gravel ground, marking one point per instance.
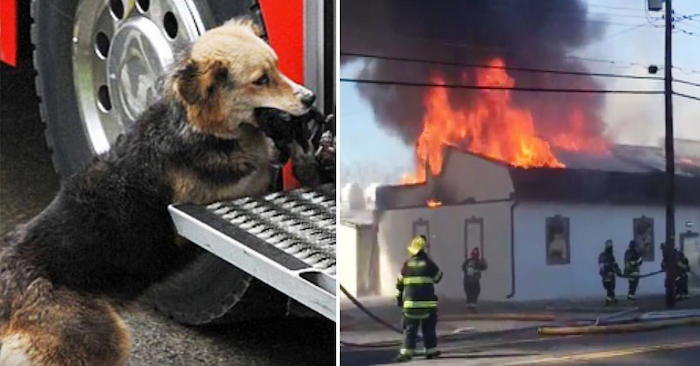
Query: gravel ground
point(28, 183)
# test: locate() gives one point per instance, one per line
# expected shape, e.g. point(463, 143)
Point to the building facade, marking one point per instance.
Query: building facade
point(540, 229)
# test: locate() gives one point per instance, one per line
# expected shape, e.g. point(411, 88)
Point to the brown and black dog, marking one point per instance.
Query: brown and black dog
point(107, 236)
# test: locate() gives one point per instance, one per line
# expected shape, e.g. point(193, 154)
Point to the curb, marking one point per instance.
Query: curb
point(621, 328)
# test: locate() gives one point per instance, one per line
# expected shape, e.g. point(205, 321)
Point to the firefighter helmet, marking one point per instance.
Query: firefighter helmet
point(417, 244)
point(608, 244)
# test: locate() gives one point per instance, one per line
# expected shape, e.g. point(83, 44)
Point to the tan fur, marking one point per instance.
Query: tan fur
point(257, 151)
point(191, 189)
point(235, 53)
point(56, 327)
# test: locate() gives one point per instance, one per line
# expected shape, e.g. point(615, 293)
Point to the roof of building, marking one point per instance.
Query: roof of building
point(625, 175)
point(356, 217)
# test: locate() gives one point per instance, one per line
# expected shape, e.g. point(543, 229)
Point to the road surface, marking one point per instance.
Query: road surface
point(671, 347)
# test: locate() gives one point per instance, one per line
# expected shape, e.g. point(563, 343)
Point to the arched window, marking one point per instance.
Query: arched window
point(643, 234)
point(557, 236)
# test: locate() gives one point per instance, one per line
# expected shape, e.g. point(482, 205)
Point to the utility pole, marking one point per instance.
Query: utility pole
point(669, 248)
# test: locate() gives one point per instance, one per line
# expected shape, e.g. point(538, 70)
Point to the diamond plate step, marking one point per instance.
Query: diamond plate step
point(285, 239)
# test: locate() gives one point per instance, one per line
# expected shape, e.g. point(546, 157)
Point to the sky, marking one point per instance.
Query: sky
point(369, 153)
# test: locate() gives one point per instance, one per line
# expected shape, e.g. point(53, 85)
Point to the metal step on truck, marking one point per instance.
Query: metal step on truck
point(262, 254)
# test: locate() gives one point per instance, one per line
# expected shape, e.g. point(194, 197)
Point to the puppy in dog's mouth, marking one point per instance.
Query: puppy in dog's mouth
point(287, 130)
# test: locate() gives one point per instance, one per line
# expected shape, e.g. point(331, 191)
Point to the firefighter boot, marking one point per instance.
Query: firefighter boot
point(403, 357)
point(432, 354)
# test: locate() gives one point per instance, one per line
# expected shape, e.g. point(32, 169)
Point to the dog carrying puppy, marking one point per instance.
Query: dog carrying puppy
point(107, 235)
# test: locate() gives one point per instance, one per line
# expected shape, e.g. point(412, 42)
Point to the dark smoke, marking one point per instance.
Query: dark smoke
point(524, 33)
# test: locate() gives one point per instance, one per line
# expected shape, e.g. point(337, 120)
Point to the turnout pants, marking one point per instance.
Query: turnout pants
point(633, 282)
point(427, 322)
point(472, 289)
point(682, 285)
point(633, 286)
point(609, 285)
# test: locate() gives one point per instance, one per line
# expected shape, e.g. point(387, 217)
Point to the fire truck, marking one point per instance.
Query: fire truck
point(99, 63)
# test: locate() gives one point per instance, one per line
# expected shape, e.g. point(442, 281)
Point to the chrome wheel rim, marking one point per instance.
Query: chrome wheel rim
point(121, 48)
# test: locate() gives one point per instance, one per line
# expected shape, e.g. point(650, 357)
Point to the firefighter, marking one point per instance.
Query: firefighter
point(608, 270)
point(415, 294)
point(682, 269)
point(633, 260)
point(472, 268)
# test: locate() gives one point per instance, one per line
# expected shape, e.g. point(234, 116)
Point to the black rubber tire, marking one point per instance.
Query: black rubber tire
point(52, 34)
point(210, 289)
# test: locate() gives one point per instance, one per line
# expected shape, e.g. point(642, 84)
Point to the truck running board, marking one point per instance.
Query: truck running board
point(284, 239)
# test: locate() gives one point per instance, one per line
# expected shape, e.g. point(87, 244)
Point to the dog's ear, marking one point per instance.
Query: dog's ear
point(197, 82)
point(248, 22)
point(187, 83)
point(199, 85)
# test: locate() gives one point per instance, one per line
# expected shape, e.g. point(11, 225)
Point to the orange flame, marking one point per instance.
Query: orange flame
point(432, 203)
point(576, 138)
point(491, 127)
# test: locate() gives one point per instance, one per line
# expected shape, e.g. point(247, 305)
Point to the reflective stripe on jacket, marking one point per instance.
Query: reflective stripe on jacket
point(415, 287)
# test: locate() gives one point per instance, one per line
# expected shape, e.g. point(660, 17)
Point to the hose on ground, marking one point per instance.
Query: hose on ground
point(367, 312)
point(618, 328)
point(382, 322)
point(372, 316)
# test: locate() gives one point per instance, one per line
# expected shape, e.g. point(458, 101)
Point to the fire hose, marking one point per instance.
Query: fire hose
point(367, 312)
point(542, 330)
point(384, 323)
point(372, 316)
point(642, 276)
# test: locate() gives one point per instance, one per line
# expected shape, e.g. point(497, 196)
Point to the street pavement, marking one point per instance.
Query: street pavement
point(468, 341)
point(676, 346)
point(28, 183)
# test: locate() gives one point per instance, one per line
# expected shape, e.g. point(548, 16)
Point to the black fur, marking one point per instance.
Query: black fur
point(108, 230)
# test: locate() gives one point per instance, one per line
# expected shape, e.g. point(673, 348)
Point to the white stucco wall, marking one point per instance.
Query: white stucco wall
point(347, 257)
point(465, 175)
point(447, 246)
point(590, 226)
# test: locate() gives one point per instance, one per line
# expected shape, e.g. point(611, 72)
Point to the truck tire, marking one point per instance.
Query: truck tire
point(209, 289)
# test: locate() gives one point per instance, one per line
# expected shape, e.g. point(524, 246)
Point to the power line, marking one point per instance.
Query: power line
point(685, 82)
point(508, 68)
point(627, 30)
point(611, 62)
point(692, 34)
point(613, 7)
point(514, 88)
point(470, 48)
point(506, 8)
point(564, 9)
point(686, 96)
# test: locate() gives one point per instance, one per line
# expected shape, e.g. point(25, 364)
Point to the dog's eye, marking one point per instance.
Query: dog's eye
point(262, 81)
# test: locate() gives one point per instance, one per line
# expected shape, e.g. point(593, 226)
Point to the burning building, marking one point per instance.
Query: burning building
point(540, 228)
point(529, 177)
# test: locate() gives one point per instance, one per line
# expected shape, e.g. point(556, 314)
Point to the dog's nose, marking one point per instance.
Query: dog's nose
point(307, 99)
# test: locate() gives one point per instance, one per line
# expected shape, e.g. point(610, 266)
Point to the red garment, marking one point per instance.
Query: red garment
point(475, 253)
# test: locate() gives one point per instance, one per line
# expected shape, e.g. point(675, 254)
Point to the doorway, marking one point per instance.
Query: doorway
point(690, 245)
point(422, 227)
point(473, 235)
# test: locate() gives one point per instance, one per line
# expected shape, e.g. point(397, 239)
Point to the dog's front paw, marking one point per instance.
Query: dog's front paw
point(304, 165)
